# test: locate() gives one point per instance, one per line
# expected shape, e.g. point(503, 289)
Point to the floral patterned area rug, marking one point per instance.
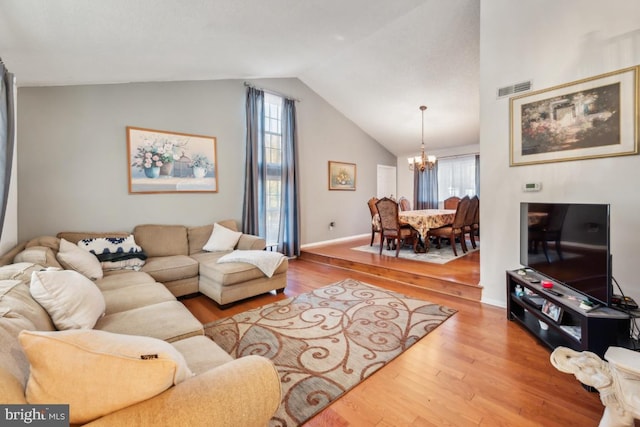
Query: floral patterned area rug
point(325, 342)
point(435, 255)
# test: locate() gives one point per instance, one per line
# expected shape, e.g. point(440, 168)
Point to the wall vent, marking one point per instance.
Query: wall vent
point(515, 88)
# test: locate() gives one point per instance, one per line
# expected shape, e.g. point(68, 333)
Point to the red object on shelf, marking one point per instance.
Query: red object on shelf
point(547, 285)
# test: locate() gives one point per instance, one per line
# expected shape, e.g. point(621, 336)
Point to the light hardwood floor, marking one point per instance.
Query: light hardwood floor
point(476, 369)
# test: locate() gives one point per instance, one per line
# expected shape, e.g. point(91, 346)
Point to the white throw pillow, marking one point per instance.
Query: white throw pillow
point(74, 258)
point(222, 239)
point(98, 372)
point(72, 300)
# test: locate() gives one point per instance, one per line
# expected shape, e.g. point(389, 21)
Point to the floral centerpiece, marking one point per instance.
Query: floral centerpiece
point(156, 154)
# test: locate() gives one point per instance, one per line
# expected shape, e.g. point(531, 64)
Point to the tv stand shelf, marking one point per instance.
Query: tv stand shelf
point(578, 329)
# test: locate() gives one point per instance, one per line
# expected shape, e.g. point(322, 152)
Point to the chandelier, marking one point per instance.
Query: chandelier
point(422, 162)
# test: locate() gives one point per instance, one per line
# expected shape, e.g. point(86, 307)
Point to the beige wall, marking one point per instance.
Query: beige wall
point(72, 162)
point(551, 43)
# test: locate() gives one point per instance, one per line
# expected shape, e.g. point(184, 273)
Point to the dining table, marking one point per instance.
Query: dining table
point(423, 220)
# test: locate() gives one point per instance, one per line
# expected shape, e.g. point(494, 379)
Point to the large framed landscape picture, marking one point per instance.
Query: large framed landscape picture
point(589, 118)
point(170, 162)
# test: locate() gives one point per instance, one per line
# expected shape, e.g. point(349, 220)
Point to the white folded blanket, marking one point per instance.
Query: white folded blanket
point(267, 262)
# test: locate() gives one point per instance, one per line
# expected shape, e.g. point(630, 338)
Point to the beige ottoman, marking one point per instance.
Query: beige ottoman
point(230, 282)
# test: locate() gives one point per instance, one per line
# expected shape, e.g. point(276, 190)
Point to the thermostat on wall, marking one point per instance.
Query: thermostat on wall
point(532, 186)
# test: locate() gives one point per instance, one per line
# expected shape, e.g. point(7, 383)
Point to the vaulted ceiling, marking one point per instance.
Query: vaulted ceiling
point(376, 61)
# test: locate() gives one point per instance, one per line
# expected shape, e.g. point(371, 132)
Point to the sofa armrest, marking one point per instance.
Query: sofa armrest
point(243, 392)
point(250, 242)
point(7, 258)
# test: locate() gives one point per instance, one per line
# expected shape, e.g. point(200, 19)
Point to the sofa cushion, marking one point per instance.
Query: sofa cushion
point(169, 268)
point(19, 271)
point(74, 258)
point(97, 372)
point(122, 278)
point(12, 359)
point(18, 311)
point(72, 300)
point(201, 353)
point(169, 321)
point(16, 301)
point(267, 261)
point(130, 297)
point(222, 239)
point(134, 264)
point(250, 242)
point(198, 237)
point(233, 272)
point(40, 255)
point(162, 240)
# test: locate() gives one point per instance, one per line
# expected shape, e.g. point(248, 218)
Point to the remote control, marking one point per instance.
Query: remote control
point(552, 292)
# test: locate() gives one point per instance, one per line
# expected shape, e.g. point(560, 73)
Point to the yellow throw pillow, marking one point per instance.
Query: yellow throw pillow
point(97, 372)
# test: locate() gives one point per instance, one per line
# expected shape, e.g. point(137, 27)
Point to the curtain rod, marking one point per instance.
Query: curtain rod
point(455, 156)
point(272, 92)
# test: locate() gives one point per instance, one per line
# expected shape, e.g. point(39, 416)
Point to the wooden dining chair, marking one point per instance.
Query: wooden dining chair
point(476, 221)
point(454, 230)
point(405, 204)
point(392, 229)
point(472, 212)
point(451, 202)
point(375, 226)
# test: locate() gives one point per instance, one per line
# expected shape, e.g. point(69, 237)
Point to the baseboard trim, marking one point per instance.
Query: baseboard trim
point(327, 242)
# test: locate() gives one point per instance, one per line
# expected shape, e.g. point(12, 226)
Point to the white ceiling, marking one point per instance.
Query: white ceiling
point(376, 61)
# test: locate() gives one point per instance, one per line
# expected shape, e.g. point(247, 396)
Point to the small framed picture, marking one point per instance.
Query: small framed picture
point(552, 311)
point(342, 176)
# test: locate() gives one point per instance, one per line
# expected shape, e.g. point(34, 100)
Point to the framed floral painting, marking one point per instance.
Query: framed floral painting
point(171, 162)
point(342, 176)
point(586, 119)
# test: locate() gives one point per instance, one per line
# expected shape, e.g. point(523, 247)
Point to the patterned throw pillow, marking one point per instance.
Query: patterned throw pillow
point(113, 248)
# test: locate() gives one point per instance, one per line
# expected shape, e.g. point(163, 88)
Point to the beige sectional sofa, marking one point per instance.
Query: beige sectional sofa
point(138, 305)
point(176, 258)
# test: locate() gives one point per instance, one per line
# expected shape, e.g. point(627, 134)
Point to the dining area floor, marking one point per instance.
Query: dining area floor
point(459, 277)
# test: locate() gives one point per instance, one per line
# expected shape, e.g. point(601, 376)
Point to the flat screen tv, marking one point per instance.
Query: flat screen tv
point(569, 243)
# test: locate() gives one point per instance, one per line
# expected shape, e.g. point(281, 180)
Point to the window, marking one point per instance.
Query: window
point(273, 158)
point(457, 177)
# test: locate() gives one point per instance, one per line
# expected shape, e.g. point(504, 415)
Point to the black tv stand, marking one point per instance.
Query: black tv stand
point(578, 328)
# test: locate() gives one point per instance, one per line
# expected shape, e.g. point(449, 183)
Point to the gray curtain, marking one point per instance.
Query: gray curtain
point(289, 232)
point(425, 188)
point(7, 136)
point(252, 220)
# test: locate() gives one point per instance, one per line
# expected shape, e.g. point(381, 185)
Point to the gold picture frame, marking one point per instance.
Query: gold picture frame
point(170, 162)
point(590, 118)
point(342, 176)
